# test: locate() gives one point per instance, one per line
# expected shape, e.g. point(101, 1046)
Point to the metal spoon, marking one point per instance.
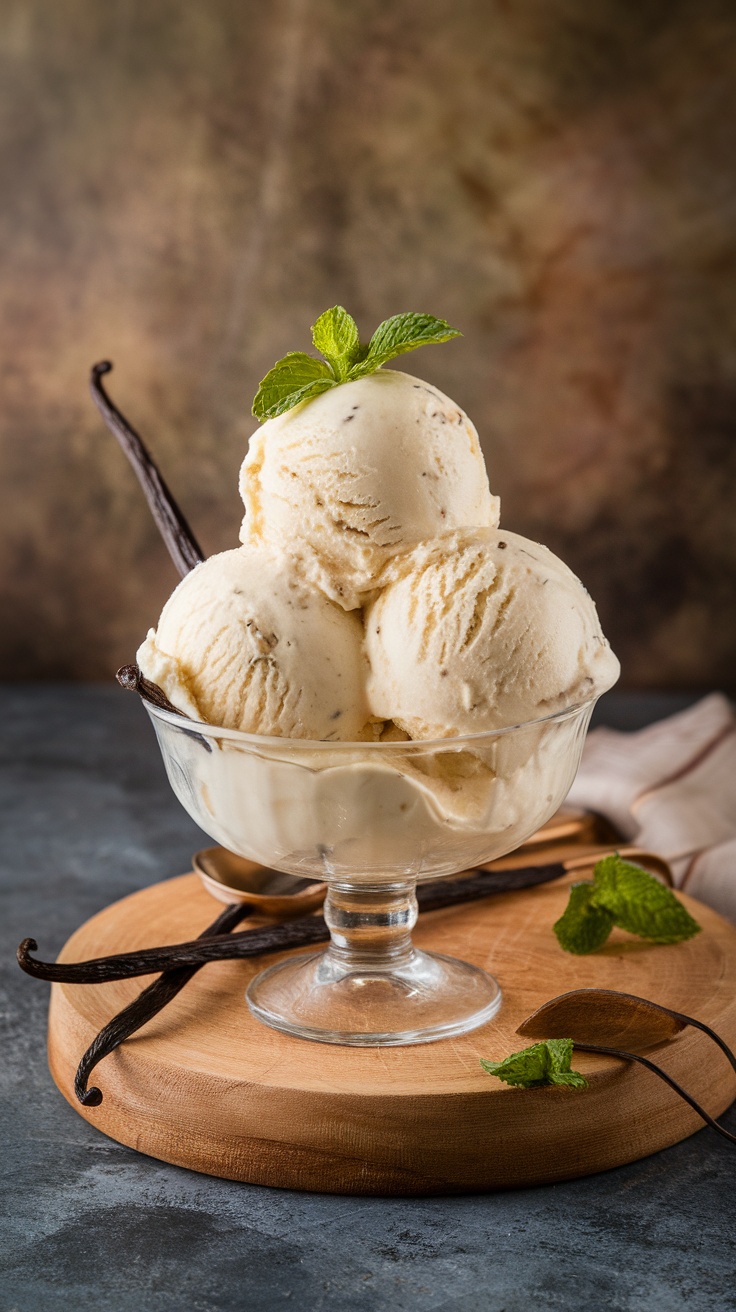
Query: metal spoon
point(232, 878)
point(586, 1015)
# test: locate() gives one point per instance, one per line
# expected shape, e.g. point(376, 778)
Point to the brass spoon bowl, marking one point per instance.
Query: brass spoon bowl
point(232, 879)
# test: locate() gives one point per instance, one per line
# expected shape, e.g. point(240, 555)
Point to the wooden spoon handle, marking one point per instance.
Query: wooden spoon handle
point(650, 1065)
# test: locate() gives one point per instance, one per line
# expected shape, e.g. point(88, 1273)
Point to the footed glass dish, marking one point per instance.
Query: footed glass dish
point(371, 820)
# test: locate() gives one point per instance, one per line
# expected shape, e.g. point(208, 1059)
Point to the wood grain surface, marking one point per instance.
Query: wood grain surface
point(206, 1086)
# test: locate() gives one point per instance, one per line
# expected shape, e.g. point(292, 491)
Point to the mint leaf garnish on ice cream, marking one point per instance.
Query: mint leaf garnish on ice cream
point(299, 377)
point(400, 333)
point(541, 1064)
point(335, 334)
point(625, 895)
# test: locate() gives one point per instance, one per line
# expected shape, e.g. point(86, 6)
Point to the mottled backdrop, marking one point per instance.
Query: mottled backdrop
point(185, 186)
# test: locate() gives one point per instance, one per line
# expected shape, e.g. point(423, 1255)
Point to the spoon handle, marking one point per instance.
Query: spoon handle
point(650, 1065)
point(701, 1025)
point(680, 1015)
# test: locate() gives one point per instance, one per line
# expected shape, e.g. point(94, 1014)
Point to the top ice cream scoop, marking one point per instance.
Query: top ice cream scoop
point(365, 471)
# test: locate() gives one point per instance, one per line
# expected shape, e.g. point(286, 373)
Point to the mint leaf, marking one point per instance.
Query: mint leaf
point(639, 903)
point(298, 376)
point(622, 894)
point(295, 378)
point(403, 332)
point(541, 1064)
point(560, 1056)
point(583, 926)
point(335, 334)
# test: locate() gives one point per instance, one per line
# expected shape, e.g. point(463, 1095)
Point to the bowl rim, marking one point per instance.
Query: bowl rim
point(309, 745)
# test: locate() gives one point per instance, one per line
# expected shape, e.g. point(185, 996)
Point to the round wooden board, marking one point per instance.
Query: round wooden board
point(206, 1086)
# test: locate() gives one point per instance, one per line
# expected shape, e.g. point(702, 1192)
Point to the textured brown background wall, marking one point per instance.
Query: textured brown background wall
point(185, 186)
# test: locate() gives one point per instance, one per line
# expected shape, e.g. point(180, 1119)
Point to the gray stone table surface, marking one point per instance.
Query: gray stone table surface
point(88, 817)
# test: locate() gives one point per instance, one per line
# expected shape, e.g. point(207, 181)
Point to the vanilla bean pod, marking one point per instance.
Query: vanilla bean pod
point(483, 883)
point(148, 1004)
point(132, 679)
point(195, 952)
point(272, 938)
point(171, 523)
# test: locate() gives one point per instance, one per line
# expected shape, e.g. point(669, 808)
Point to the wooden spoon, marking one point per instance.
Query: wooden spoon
point(603, 1015)
point(611, 1018)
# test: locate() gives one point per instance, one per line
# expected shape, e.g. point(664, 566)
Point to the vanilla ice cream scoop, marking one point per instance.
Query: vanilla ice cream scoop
point(482, 630)
point(245, 643)
point(361, 473)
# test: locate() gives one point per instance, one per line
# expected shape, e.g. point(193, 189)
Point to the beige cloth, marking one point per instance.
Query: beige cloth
point(671, 788)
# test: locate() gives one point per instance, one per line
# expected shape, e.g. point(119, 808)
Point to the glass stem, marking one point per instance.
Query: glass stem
point(371, 925)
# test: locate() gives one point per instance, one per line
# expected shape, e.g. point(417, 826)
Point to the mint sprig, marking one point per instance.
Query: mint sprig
point(401, 333)
point(335, 334)
point(622, 894)
point(543, 1063)
point(585, 925)
point(299, 377)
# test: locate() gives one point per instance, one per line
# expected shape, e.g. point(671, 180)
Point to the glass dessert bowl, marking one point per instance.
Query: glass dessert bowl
point(372, 820)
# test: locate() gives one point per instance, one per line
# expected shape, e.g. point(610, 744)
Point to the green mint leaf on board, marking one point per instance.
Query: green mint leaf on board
point(639, 903)
point(335, 334)
point(401, 333)
point(583, 926)
point(297, 377)
point(541, 1064)
point(625, 895)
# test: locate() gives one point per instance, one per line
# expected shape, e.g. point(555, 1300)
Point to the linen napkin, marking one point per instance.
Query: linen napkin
point(671, 788)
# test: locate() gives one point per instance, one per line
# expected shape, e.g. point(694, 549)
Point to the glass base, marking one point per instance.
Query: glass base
point(419, 999)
